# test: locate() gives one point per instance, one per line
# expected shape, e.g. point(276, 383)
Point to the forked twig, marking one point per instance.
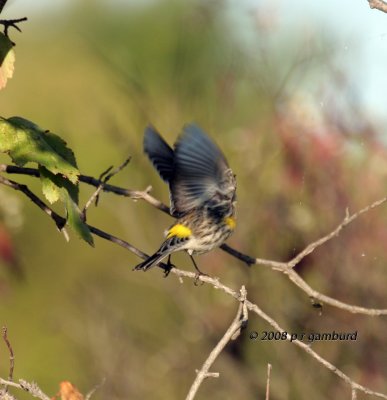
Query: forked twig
point(103, 179)
point(11, 23)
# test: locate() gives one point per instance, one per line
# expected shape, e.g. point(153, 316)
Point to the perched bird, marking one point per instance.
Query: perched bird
point(202, 193)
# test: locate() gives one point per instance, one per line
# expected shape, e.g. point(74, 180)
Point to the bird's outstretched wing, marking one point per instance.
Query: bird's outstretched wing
point(200, 171)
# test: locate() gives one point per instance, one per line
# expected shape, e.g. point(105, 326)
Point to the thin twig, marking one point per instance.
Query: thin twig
point(103, 178)
point(11, 23)
point(346, 221)
point(240, 256)
point(95, 194)
point(115, 170)
point(268, 382)
point(30, 387)
point(235, 326)
point(59, 221)
point(315, 295)
point(104, 235)
point(94, 389)
point(11, 354)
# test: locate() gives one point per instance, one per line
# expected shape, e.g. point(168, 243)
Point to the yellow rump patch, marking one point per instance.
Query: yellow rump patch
point(230, 222)
point(180, 231)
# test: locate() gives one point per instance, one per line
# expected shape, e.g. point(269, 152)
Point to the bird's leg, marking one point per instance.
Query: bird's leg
point(199, 273)
point(168, 266)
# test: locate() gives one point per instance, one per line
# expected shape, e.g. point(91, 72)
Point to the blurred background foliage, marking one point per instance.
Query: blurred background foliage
point(281, 107)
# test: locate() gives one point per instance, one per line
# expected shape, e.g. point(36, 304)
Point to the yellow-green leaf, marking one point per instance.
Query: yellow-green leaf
point(75, 221)
point(52, 186)
point(26, 142)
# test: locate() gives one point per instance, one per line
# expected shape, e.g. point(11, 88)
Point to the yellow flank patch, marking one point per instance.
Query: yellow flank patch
point(230, 222)
point(179, 230)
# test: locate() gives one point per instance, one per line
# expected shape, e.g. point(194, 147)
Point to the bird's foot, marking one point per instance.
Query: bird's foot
point(197, 278)
point(168, 267)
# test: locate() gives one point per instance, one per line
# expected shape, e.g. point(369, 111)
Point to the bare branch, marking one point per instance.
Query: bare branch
point(235, 327)
point(95, 195)
point(244, 257)
point(59, 221)
point(106, 176)
point(347, 220)
point(11, 23)
point(31, 388)
point(94, 389)
point(314, 294)
point(11, 354)
point(378, 4)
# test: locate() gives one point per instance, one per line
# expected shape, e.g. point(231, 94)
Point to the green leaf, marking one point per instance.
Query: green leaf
point(55, 188)
point(76, 222)
point(50, 189)
point(26, 142)
point(52, 186)
point(7, 60)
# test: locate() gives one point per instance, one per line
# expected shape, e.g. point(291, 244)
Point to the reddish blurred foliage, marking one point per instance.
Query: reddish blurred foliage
point(8, 255)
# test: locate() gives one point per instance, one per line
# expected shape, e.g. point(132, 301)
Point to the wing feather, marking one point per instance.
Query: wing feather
point(159, 152)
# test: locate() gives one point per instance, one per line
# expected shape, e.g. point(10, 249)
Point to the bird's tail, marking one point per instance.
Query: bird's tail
point(151, 261)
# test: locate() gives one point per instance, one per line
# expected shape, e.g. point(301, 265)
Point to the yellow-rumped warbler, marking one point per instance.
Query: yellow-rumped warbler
point(202, 192)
